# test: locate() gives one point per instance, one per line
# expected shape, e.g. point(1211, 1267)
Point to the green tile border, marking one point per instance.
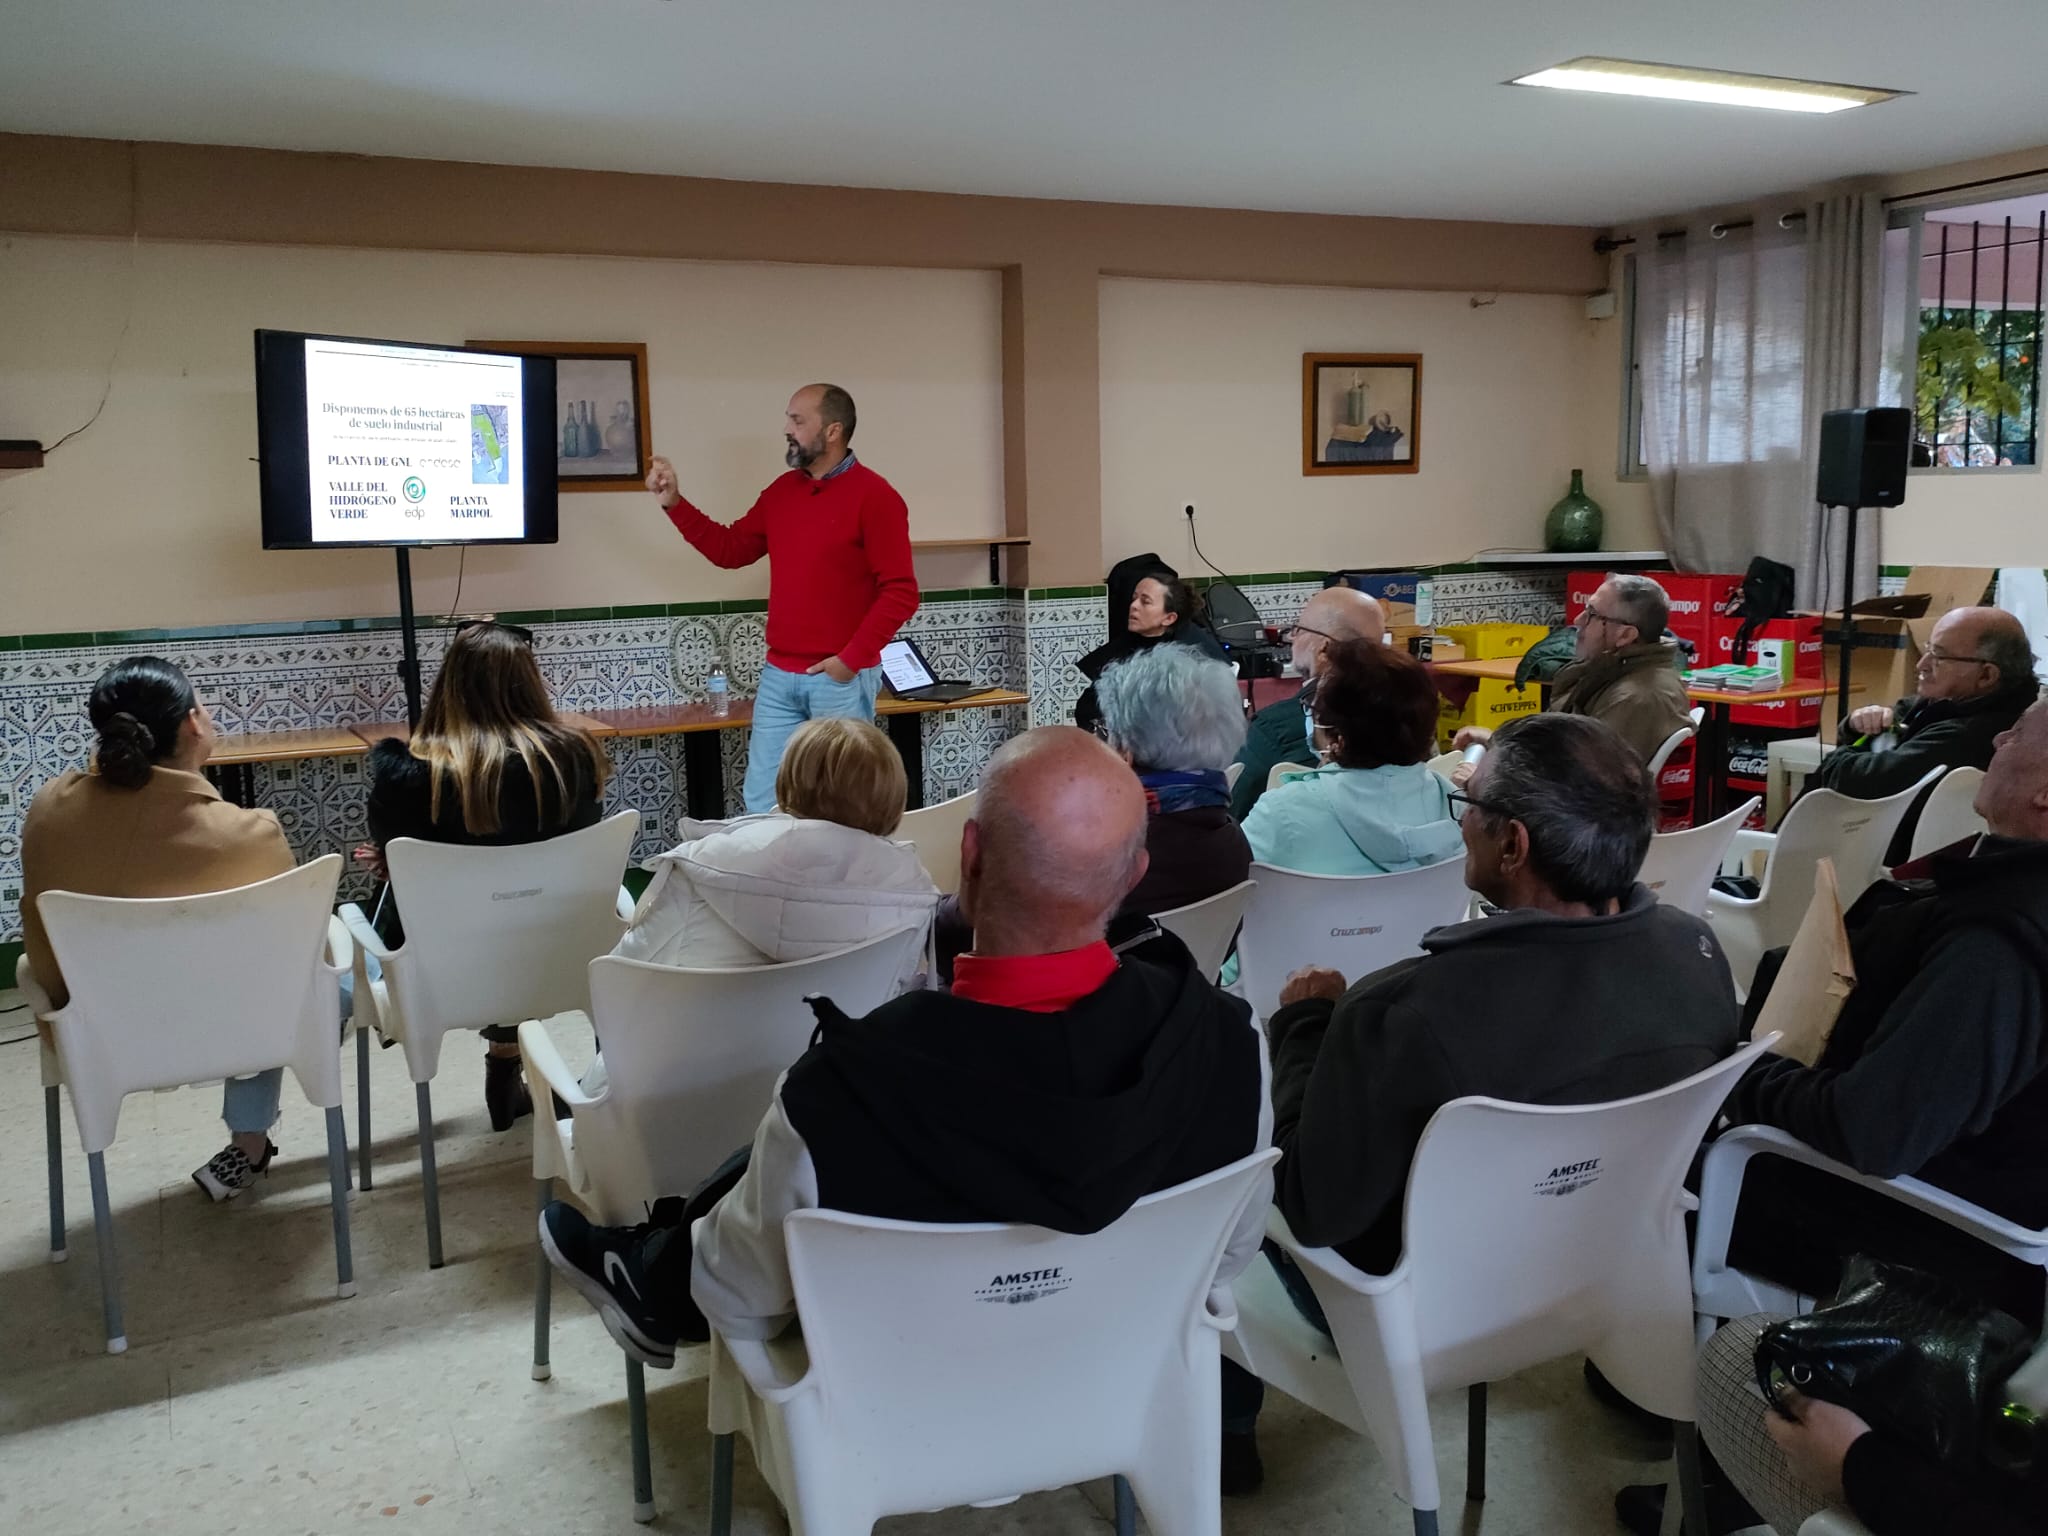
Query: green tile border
point(641, 611)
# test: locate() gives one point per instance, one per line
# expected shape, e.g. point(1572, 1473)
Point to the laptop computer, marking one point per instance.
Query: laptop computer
point(909, 676)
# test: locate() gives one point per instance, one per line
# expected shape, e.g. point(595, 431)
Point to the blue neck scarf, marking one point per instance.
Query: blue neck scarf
point(1166, 793)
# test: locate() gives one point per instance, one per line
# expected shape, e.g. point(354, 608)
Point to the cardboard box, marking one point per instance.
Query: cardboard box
point(1486, 642)
point(1892, 632)
point(1493, 702)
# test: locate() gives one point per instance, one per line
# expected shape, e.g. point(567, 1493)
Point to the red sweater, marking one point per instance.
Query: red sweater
point(840, 581)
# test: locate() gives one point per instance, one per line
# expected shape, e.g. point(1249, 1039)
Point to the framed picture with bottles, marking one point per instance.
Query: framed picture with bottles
point(601, 441)
point(1361, 413)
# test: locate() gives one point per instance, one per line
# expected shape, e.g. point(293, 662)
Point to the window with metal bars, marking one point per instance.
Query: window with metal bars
point(1978, 303)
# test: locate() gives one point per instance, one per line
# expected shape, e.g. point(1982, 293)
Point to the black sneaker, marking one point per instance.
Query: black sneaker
point(228, 1172)
point(505, 1093)
point(605, 1265)
point(1243, 1472)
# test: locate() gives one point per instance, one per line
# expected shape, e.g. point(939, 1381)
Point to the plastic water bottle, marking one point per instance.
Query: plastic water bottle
point(716, 693)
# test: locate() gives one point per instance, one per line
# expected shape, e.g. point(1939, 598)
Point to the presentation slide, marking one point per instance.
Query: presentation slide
point(407, 444)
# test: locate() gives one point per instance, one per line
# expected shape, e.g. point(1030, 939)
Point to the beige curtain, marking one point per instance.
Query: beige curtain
point(1743, 342)
point(1845, 337)
point(1721, 342)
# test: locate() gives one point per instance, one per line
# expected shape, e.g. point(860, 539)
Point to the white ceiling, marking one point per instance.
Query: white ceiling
point(1344, 106)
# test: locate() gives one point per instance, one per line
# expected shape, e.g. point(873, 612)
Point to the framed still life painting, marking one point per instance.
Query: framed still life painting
point(1361, 413)
point(601, 439)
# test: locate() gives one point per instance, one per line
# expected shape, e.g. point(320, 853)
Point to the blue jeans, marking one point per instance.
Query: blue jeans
point(785, 701)
point(249, 1104)
point(1243, 1393)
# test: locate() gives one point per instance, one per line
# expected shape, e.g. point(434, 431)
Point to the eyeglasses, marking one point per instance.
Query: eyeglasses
point(1491, 807)
point(1938, 657)
point(1287, 635)
point(518, 632)
point(1590, 612)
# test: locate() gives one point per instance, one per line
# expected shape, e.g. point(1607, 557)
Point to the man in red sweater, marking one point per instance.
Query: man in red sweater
point(840, 582)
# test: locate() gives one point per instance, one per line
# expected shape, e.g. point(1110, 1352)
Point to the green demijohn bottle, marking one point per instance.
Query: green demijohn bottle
point(1574, 525)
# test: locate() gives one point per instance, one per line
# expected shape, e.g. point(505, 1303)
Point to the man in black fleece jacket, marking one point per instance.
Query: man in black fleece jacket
point(1937, 1067)
point(1058, 1083)
point(1582, 989)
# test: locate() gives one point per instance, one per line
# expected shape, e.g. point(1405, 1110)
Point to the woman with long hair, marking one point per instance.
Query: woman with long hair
point(491, 763)
point(144, 821)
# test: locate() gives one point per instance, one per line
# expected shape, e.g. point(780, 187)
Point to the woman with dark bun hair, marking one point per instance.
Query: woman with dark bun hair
point(144, 821)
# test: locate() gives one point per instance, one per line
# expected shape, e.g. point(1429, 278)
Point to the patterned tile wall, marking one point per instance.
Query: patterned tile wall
point(301, 682)
point(260, 683)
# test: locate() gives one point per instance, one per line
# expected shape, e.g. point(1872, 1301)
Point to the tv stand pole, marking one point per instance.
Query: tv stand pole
point(409, 666)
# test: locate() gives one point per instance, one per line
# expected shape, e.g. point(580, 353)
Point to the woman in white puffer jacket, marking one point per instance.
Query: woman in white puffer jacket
point(814, 875)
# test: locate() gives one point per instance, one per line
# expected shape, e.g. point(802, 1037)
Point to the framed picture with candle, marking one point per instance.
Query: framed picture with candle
point(1361, 413)
point(600, 411)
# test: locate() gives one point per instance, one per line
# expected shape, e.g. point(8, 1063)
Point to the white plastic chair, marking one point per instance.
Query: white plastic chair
point(1820, 825)
point(918, 1384)
point(1352, 924)
point(934, 831)
point(1671, 744)
point(1720, 1292)
point(1530, 1232)
point(1950, 814)
point(692, 1058)
point(1444, 764)
point(1232, 774)
point(172, 991)
point(1834, 1522)
point(494, 935)
point(1208, 927)
point(1680, 866)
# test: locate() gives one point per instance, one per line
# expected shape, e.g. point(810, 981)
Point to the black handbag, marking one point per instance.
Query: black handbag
point(1912, 1355)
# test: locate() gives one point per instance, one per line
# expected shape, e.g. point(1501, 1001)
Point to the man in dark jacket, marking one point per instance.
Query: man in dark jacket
point(1625, 673)
point(1057, 1084)
point(1972, 682)
point(1582, 989)
point(1279, 733)
point(1937, 1066)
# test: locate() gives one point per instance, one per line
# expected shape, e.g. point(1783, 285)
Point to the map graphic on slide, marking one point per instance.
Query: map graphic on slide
point(413, 444)
point(487, 464)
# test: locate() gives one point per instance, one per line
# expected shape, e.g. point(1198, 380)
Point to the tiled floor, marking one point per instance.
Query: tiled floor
point(252, 1400)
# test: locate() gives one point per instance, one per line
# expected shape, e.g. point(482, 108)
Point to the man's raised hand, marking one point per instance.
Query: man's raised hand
point(661, 480)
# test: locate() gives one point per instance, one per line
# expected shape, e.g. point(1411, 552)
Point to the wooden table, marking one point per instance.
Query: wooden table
point(1710, 748)
point(1500, 668)
point(233, 763)
point(703, 761)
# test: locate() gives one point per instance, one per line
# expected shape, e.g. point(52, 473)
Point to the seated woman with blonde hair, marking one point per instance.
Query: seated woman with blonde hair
point(491, 764)
point(816, 874)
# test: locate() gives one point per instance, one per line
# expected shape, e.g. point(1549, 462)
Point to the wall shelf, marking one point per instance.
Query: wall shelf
point(995, 548)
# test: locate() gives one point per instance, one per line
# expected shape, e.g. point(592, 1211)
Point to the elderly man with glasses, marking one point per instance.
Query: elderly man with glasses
point(1579, 989)
point(1974, 680)
point(1281, 732)
point(1625, 673)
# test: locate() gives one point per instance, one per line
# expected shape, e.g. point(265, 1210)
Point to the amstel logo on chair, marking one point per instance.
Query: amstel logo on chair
point(1569, 1179)
point(1025, 1285)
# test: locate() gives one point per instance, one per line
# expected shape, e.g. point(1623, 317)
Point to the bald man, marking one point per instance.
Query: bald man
point(1057, 1083)
point(1279, 733)
point(1974, 680)
point(840, 584)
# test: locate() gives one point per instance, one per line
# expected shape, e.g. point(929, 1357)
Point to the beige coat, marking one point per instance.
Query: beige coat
point(1637, 690)
point(174, 836)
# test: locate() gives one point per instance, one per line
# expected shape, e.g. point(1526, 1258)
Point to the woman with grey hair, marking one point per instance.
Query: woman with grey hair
point(1177, 718)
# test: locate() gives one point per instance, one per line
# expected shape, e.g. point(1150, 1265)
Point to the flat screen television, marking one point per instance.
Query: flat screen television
point(390, 443)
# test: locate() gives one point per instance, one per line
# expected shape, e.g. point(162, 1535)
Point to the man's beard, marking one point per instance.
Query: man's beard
point(800, 455)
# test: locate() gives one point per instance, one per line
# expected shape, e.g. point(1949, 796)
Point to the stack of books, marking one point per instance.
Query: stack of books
point(1733, 679)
